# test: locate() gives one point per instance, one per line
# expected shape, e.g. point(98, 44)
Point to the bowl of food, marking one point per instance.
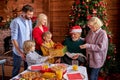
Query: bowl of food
point(29, 75)
point(56, 67)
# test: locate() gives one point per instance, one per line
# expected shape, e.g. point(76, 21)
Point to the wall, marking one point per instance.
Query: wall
point(59, 18)
point(113, 10)
point(113, 13)
point(7, 9)
point(3, 34)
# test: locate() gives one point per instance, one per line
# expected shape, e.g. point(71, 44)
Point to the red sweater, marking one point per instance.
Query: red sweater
point(37, 36)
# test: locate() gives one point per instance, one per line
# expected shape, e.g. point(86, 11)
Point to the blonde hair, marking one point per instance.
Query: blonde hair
point(96, 22)
point(27, 46)
point(46, 33)
point(40, 17)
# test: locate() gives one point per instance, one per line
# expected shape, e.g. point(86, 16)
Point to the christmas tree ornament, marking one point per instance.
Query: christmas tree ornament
point(77, 2)
point(79, 15)
point(94, 11)
point(87, 0)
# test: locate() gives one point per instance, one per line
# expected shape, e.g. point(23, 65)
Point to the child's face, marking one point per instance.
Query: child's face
point(33, 48)
point(48, 37)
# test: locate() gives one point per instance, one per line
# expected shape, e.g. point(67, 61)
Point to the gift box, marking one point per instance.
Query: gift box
point(58, 52)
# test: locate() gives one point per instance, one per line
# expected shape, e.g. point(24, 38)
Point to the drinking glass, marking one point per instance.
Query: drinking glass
point(59, 74)
point(75, 65)
point(45, 65)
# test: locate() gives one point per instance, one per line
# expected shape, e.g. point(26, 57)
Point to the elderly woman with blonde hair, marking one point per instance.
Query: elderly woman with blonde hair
point(96, 46)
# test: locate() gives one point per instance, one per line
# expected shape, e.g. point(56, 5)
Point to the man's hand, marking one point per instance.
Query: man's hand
point(15, 44)
point(23, 56)
point(75, 56)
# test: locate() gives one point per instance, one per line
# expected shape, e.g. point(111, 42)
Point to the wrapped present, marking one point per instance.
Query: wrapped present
point(57, 52)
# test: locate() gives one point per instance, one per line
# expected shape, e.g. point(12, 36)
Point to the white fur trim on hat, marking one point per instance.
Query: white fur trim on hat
point(76, 29)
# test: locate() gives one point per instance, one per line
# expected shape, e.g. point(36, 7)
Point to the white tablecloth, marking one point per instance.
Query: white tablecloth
point(81, 69)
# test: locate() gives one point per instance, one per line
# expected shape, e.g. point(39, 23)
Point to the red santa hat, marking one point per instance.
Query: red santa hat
point(76, 29)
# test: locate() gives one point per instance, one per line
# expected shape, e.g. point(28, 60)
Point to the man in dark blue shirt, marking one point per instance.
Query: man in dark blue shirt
point(73, 47)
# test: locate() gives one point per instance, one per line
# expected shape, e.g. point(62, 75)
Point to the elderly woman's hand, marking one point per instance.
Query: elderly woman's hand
point(83, 46)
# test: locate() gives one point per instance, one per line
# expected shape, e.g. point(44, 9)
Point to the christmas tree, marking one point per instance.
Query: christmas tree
point(81, 12)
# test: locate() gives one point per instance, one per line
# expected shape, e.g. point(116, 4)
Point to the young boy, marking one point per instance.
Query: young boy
point(47, 44)
point(31, 56)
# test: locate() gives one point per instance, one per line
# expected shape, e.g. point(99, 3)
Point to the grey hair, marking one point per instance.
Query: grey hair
point(96, 22)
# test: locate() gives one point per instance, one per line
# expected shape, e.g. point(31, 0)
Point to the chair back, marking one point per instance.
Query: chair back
point(2, 63)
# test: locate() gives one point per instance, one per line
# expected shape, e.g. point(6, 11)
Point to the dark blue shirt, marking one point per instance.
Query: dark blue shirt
point(73, 46)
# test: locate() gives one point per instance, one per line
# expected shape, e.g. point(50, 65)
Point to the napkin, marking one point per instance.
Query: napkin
point(36, 68)
point(74, 76)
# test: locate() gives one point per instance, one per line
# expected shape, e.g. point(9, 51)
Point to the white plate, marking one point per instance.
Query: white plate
point(18, 76)
point(58, 64)
point(66, 77)
point(81, 69)
point(50, 65)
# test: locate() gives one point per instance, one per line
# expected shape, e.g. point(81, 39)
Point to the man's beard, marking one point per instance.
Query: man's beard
point(28, 18)
point(74, 39)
